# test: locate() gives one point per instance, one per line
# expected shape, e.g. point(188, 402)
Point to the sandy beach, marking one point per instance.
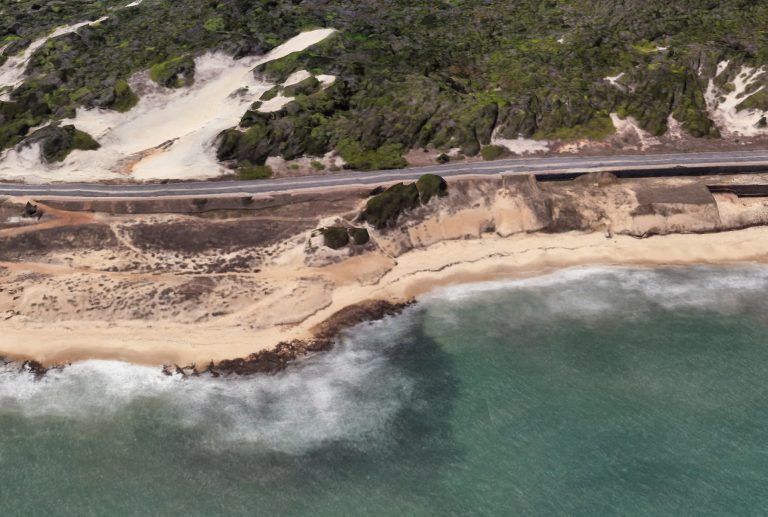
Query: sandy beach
point(358, 279)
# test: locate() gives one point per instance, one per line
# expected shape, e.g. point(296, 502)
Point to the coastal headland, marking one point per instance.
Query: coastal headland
point(246, 284)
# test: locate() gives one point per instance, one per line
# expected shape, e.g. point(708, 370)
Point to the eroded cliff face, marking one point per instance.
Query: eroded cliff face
point(510, 205)
point(162, 280)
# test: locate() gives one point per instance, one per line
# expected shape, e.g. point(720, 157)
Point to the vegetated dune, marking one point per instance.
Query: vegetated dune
point(170, 133)
point(450, 78)
point(725, 104)
point(12, 71)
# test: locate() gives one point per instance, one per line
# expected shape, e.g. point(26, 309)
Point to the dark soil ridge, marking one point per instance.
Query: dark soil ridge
point(326, 334)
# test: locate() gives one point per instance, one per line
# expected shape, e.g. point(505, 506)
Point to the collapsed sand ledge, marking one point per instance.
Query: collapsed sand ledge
point(185, 289)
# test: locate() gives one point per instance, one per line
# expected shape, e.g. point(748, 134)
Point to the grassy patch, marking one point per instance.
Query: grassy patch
point(174, 73)
point(248, 171)
point(758, 101)
point(597, 128)
point(270, 94)
point(125, 99)
point(306, 87)
point(385, 157)
point(493, 152)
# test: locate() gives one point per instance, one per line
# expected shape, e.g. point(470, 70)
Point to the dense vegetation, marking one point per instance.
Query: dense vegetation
point(411, 73)
point(385, 207)
point(338, 237)
point(56, 142)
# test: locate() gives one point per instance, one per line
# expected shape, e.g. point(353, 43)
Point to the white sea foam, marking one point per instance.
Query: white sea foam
point(354, 393)
point(604, 291)
point(350, 395)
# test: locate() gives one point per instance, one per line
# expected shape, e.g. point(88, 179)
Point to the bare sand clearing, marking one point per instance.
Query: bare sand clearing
point(170, 134)
point(520, 145)
point(629, 128)
point(366, 277)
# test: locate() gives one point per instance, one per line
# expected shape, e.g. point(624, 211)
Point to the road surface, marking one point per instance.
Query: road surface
point(551, 167)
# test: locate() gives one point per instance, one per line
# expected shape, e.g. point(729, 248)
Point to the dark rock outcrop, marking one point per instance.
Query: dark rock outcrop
point(278, 359)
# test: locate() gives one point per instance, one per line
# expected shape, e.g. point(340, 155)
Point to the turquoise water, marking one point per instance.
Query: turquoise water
point(587, 392)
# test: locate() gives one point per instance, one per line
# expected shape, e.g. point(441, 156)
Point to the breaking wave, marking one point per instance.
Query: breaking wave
point(608, 291)
point(353, 394)
point(349, 395)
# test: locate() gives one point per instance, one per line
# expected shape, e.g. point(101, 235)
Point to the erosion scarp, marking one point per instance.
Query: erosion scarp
point(120, 279)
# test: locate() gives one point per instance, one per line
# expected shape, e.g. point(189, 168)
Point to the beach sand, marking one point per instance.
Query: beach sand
point(361, 278)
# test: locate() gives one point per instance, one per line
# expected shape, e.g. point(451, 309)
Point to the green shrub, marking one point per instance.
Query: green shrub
point(125, 99)
point(174, 73)
point(493, 152)
point(215, 24)
point(228, 144)
point(758, 101)
point(383, 210)
point(385, 157)
point(82, 141)
point(248, 171)
point(270, 94)
point(597, 128)
point(335, 237)
point(56, 142)
point(317, 165)
point(360, 236)
point(306, 87)
point(443, 159)
point(279, 70)
point(431, 185)
point(254, 117)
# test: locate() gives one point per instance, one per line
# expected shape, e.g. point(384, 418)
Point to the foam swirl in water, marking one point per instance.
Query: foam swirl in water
point(350, 394)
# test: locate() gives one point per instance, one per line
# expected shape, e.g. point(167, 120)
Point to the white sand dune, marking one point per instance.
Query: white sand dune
point(723, 106)
point(169, 134)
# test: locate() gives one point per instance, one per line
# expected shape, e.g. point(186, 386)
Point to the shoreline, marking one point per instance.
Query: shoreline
point(414, 274)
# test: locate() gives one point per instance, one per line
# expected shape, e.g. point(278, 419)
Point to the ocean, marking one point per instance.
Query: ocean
point(586, 392)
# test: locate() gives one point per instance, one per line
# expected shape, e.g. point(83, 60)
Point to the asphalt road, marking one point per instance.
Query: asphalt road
point(549, 166)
